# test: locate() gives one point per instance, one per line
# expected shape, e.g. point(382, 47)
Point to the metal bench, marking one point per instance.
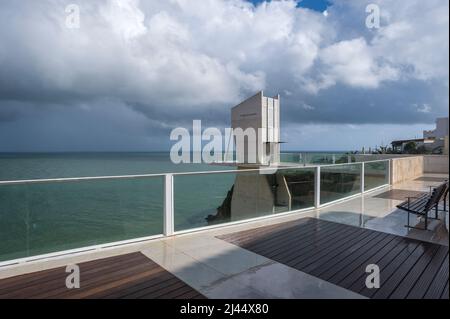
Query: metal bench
point(422, 205)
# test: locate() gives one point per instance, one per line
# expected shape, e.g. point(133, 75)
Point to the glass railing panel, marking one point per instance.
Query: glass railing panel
point(295, 158)
point(316, 158)
point(209, 199)
point(46, 217)
point(338, 182)
point(352, 217)
point(197, 196)
point(376, 174)
point(300, 183)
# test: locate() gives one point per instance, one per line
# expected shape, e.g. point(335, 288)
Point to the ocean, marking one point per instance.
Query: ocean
point(47, 217)
point(40, 218)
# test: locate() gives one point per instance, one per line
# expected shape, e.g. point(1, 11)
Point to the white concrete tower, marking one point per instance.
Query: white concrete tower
point(262, 115)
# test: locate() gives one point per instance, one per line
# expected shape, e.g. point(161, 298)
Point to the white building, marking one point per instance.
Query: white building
point(261, 114)
point(435, 140)
point(439, 134)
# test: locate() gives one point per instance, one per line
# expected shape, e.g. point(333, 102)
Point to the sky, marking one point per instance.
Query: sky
point(134, 70)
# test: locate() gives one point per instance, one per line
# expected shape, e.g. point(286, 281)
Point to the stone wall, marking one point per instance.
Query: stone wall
point(436, 164)
point(406, 168)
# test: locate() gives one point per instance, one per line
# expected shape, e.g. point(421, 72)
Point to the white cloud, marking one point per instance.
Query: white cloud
point(307, 107)
point(415, 35)
point(423, 108)
point(177, 58)
point(200, 52)
point(125, 18)
point(352, 62)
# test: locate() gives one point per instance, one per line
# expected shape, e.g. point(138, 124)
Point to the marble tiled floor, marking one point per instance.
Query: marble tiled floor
point(218, 269)
point(382, 214)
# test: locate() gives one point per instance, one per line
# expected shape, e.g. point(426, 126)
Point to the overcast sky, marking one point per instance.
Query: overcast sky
point(135, 70)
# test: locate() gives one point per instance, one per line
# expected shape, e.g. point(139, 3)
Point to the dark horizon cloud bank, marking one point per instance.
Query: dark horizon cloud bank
point(135, 70)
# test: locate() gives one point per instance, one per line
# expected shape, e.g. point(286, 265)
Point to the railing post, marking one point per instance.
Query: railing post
point(363, 172)
point(168, 205)
point(317, 187)
point(390, 165)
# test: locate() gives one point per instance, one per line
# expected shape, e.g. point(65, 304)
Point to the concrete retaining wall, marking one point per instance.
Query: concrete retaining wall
point(406, 168)
point(376, 157)
point(436, 164)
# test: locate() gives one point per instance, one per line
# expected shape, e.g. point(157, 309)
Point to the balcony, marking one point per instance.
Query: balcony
point(153, 241)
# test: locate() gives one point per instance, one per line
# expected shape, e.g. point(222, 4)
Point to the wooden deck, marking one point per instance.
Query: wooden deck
point(399, 194)
point(126, 276)
point(339, 254)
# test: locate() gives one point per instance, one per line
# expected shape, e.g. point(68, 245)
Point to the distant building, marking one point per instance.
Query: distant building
point(439, 134)
point(399, 145)
point(435, 141)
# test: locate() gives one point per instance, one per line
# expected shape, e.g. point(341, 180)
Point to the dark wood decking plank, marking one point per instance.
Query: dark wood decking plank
point(132, 287)
point(92, 275)
point(108, 286)
point(320, 245)
point(422, 285)
point(388, 266)
point(88, 285)
point(330, 247)
point(298, 242)
point(340, 253)
point(444, 294)
point(295, 247)
point(390, 284)
point(438, 284)
point(166, 292)
point(245, 236)
point(190, 295)
point(393, 247)
point(118, 283)
point(174, 293)
point(46, 287)
point(43, 277)
point(408, 282)
point(274, 238)
point(169, 283)
point(352, 262)
point(291, 249)
point(104, 278)
point(335, 256)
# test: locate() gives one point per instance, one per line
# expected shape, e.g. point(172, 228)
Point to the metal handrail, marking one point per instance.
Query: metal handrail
point(168, 189)
point(265, 168)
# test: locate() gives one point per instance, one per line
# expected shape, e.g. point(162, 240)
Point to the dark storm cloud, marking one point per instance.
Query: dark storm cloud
point(137, 69)
point(394, 103)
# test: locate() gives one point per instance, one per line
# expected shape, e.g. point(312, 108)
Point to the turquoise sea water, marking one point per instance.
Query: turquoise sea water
point(47, 217)
point(39, 218)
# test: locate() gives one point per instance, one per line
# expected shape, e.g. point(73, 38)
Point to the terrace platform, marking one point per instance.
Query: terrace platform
point(216, 268)
point(125, 276)
point(340, 253)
